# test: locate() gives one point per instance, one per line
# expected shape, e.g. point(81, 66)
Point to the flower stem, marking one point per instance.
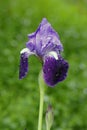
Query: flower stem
point(40, 111)
point(41, 87)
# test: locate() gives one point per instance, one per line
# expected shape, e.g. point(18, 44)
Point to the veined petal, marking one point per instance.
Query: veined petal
point(54, 70)
point(47, 39)
point(44, 39)
point(23, 69)
point(31, 43)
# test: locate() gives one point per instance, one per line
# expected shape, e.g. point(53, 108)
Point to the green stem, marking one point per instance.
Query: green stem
point(41, 87)
point(41, 111)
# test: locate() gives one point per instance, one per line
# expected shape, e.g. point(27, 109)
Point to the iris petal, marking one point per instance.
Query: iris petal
point(31, 43)
point(47, 39)
point(23, 66)
point(54, 70)
point(23, 69)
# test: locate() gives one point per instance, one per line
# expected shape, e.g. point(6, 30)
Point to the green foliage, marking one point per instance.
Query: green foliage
point(19, 99)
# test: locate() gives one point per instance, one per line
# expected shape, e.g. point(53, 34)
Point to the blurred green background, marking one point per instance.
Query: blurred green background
point(19, 99)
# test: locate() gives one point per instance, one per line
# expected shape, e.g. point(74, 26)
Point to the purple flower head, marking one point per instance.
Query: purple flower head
point(45, 44)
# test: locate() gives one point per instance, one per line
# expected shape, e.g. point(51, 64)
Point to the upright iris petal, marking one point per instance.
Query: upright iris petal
point(47, 39)
point(45, 44)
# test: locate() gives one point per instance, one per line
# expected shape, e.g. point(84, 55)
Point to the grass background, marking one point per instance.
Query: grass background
point(19, 100)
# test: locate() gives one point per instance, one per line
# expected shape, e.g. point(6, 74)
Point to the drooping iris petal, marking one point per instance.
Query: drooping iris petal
point(54, 70)
point(23, 66)
point(23, 70)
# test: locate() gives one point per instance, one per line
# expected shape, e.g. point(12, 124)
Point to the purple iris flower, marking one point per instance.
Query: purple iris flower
point(45, 44)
